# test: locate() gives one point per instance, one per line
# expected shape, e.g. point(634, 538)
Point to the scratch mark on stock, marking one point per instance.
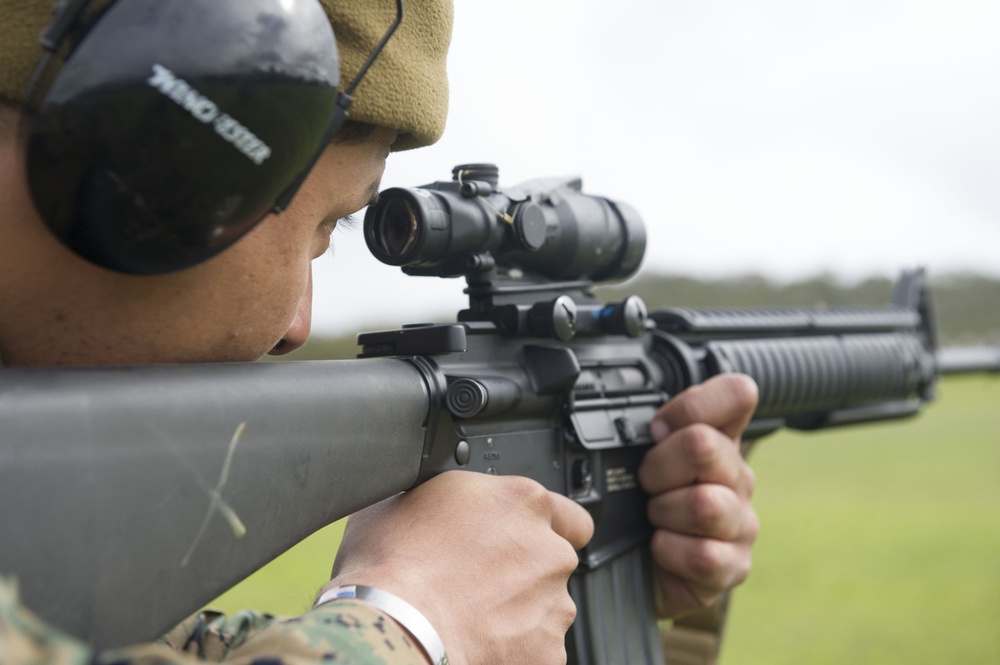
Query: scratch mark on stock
point(217, 503)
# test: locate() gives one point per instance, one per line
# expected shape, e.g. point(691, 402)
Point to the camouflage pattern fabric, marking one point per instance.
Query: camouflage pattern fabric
point(340, 633)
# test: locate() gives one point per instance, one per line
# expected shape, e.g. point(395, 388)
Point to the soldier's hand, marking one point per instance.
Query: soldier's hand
point(700, 491)
point(485, 558)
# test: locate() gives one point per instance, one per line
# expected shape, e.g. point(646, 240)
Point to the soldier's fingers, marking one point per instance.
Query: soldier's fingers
point(709, 510)
point(696, 454)
point(726, 402)
point(709, 566)
point(571, 520)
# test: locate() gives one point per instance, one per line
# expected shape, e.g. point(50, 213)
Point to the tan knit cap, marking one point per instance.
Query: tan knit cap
point(405, 89)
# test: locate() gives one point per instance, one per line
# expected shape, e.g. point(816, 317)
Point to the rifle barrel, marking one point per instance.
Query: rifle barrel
point(968, 359)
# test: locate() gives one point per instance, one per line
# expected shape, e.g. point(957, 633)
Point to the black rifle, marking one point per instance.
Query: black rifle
point(134, 495)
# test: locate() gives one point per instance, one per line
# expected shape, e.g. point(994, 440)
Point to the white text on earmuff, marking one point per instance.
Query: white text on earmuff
point(205, 110)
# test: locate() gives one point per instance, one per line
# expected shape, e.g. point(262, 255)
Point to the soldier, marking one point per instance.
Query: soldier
point(499, 595)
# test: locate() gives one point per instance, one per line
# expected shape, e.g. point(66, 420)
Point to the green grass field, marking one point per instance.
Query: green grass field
point(879, 544)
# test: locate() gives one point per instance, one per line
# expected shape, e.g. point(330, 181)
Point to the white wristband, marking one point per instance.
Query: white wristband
point(406, 615)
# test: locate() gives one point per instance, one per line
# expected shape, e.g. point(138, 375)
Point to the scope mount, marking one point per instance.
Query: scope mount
point(530, 253)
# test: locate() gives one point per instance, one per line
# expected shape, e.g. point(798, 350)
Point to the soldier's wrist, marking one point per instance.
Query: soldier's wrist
point(407, 616)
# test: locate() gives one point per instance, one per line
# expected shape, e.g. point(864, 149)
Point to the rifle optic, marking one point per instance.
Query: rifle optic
point(545, 228)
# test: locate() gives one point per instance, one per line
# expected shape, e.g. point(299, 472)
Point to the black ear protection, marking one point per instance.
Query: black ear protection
point(172, 128)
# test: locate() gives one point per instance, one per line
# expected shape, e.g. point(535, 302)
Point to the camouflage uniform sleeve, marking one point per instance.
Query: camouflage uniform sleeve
point(345, 632)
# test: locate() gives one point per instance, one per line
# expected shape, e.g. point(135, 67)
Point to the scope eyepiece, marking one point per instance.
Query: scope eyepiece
point(545, 228)
point(396, 228)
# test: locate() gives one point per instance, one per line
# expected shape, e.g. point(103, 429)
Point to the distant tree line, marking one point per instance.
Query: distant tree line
point(967, 305)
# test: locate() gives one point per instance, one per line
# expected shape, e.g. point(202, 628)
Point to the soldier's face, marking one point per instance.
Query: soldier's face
point(56, 308)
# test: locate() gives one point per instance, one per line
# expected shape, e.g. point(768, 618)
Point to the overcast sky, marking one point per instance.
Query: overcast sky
point(786, 137)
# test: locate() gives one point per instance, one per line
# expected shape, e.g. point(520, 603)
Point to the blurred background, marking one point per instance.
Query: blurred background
point(786, 138)
point(797, 152)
